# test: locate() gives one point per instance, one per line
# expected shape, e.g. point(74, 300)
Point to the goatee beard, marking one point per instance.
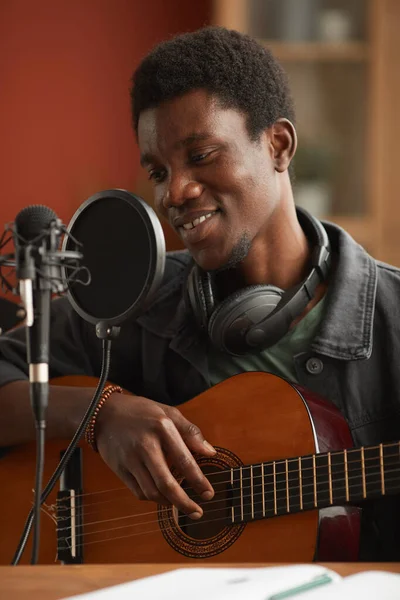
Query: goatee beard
point(238, 254)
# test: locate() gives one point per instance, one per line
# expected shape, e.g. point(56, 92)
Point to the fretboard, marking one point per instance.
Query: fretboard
point(287, 486)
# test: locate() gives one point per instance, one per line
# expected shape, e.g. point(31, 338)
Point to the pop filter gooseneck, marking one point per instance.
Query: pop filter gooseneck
point(124, 251)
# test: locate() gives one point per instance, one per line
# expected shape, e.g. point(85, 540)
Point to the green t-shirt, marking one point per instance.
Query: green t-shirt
point(277, 360)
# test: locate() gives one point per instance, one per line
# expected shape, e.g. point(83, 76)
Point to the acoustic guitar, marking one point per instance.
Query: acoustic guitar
point(287, 482)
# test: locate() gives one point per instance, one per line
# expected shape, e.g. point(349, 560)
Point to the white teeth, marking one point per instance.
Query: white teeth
point(197, 221)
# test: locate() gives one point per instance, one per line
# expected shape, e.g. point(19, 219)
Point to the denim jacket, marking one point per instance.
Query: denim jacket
point(354, 360)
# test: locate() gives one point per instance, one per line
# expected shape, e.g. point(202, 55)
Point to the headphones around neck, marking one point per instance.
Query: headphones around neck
point(256, 317)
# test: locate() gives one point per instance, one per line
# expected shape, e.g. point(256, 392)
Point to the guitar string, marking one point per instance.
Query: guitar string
point(283, 462)
point(293, 488)
point(174, 528)
point(266, 477)
point(240, 496)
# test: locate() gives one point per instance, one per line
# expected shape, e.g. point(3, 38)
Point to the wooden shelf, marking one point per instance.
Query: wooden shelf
point(318, 51)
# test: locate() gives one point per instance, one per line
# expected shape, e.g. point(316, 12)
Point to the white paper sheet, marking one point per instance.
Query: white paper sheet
point(215, 584)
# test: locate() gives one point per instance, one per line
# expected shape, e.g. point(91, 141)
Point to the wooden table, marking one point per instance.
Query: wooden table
point(55, 582)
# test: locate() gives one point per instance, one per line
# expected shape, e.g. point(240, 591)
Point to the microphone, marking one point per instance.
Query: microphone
point(37, 233)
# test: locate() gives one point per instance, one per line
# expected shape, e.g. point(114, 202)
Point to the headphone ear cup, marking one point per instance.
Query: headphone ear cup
point(236, 314)
point(200, 295)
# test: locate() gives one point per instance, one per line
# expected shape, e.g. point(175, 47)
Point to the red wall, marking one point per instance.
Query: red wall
point(65, 68)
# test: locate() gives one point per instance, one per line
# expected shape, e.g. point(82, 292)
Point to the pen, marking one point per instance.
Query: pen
point(319, 580)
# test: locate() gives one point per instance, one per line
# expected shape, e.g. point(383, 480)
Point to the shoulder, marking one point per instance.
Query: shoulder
point(389, 270)
point(388, 288)
point(165, 313)
point(388, 275)
point(177, 265)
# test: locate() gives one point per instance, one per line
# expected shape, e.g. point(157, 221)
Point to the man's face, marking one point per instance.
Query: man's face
point(215, 186)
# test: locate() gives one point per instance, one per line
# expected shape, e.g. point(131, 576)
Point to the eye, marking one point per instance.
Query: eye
point(199, 157)
point(157, 176)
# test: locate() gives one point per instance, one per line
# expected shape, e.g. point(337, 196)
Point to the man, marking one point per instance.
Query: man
point(214, 123)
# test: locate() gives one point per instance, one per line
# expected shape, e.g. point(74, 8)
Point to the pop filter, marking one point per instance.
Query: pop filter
point(123, 249)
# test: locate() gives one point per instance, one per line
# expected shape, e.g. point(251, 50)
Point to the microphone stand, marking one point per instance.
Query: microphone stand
point(38, 339)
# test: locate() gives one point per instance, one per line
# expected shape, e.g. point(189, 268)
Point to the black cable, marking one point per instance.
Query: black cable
point(40, 447)
point(77, 436)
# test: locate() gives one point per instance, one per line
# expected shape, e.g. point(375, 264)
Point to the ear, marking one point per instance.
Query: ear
point(283, 138)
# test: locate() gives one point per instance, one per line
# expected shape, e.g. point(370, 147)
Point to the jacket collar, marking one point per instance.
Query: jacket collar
point(346, 332)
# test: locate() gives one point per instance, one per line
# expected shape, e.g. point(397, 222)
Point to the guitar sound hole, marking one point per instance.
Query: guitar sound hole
point(216, 512)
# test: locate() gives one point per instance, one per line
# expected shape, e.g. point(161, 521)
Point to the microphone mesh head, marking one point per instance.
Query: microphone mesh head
point(31, 221)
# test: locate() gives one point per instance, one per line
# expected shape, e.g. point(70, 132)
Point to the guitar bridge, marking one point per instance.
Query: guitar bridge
point(69, 512)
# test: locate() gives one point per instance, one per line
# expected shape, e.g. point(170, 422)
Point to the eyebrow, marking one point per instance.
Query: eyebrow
point(147, 158)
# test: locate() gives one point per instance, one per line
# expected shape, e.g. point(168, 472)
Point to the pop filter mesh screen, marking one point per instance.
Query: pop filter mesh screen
point(118, 251)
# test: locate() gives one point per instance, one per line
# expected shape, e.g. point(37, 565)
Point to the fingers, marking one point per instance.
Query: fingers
point(131, 483)
point(191, 434)
point(157, 483)
point(152, 438)
point(171, 445)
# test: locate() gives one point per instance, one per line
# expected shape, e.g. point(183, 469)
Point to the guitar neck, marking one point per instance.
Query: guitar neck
point(314, 481)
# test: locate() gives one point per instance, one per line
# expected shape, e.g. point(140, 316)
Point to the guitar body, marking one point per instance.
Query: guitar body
point(251, 418)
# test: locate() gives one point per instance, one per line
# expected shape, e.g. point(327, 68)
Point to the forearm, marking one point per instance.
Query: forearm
point(66, 408)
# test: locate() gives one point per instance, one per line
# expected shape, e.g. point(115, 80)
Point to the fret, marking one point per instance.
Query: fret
point(346, 475)
point(247, 513)
point(263, 489)
point(293, 490)
point(330, 478)
point(300, 485)
point(315, 481)
point(287, 486)
point(241, 493)
point(355, 474)
point(252, 492)
point(322, 480)
point(364, 484)
point(274, 484)
point(269, 486)
point(258, 504)
point(391, 468)
point(307, 482)
point(382, 468)
point(280, 486)
point(233, 505)
point(339, 480)
point(237, 494)
point(373, 469)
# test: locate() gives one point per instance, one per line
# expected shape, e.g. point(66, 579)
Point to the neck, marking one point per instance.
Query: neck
point(279, 254)
point(315, 481)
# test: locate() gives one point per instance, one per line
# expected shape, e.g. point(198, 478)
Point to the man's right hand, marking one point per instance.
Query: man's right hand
point(140, 440)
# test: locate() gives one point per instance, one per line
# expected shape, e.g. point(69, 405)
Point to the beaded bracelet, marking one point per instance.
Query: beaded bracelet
point(90, 429)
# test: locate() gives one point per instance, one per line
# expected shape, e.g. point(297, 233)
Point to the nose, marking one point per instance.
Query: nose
point(179, 189)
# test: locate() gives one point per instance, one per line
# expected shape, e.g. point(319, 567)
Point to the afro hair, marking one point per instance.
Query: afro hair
point(234, 67)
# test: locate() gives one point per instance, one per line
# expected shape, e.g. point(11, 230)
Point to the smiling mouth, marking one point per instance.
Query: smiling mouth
point(197, 221)
point(199, 229)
